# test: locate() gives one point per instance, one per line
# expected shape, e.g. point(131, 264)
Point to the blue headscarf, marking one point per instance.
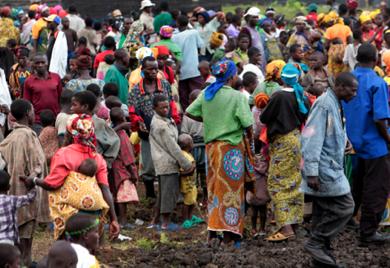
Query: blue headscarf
point(223, 71)
point(290, 76)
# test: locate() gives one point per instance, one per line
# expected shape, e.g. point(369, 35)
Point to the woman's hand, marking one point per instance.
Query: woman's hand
point(114, 229)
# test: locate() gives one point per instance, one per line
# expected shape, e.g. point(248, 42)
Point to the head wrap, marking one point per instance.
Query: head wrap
point(143, 52)
point(320, 18)
point(5, 11)
point(331, 17)
point(352, 4)
point(223, 71)
point(205, 15)
point(81, 127)
point(84, 62)
point(265, 20)
point(312, 8)
point(62, 13)
point(274, 69)
point(261, 100)
point(290, 76)
point(375, 13)
point(216, 39)
point(364, 17)
point(34, 7)
point(163, 51)
point(166, 31)
point(300, 19)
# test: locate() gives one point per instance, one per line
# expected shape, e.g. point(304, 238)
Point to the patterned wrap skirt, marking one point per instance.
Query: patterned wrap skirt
point(228, 167)
point(284, 179)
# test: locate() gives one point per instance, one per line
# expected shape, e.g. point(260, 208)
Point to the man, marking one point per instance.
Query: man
point(367, 118)
point(23, 155)
point(43, 89)
point(164, 18)
point(25, 36)
point(252, 18)
point(323, 146)
point(189, 42)
point(141, 114)
point(71, 37)
point(39, 39)
point(75, 22)
point(110, 45)
point(126, 28)
point(57, 50)
point(146, 16)
point(117, 74)
point(89, 33)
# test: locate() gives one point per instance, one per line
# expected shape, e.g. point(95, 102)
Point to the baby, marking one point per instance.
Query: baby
point(88, 167)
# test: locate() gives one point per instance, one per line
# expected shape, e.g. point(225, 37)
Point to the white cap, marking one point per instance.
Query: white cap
point(253, 11)
point(146, 3)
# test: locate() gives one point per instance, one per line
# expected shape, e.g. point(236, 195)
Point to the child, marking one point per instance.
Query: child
point(317, 80)
point(61, 255)
point(104, 66)
point(187, 184)
point(88, 167)
point(73, 71)
point(296, 58)
point(63, 116)
point(9, 205)
point(48, 136)
point(250, 83)
point(82, 231)
point(167, 159)
point(336, 58)
point(195, 129)
point(111, 89)
point(124, 174)
point(204, 69)
point(101, 111)
point(9, 256)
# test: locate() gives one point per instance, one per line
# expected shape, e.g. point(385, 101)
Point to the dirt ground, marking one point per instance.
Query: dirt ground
point(188, 248)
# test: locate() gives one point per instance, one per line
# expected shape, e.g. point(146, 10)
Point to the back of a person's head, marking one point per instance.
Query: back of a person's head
point(77, 223)
point(86, 98)
point(182, 21)
point(66, 97)
point(109, 59)
point(31, 14)
point(112, 102)
point(343, 9)
point(4, 181)
point(252, 51)
point(357, 34)
point(109, 42)
point(95, 89)
point(9, 256)
point(164, 6)
point(88, 22)
point(48, 118)
point(248, 79)
point(62, 254)
point(110, 89)
point(184, 141)
point(82, 41)
point(20, 108)
point(116, 115)
point(72, 9)
point(366, 53)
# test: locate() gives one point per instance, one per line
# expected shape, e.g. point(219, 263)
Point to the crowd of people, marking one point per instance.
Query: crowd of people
point(244, 114)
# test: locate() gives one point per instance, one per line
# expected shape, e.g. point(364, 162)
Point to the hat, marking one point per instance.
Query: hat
point(364, 17)
point(166, 31)
point(270, 10)
point(312, 7)
point(163, 51)
point(5, 11)
point(34, 7)
point(216, 39)
point(300, 19)
point(143, 52)
point(352, 4)
point(253, 11)
point(375, 13)
point(146, 3)
point(53, 18)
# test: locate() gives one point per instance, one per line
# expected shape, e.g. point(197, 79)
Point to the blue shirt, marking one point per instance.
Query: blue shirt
point(189, 42)
point(370, 105)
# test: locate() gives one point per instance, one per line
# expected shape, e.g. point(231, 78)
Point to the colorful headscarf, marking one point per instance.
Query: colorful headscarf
point(143, 52)
point(261, 100)
point(163, 51)
point(205, 15)
point(312, 7)
point(223, 71)
point(331, 17)
point(352, 4)
point(166, 31)
point(274, 69)
point(81, 127)
point(375, 13)
point(364, 17)
point(216, 39)
point(290, 76)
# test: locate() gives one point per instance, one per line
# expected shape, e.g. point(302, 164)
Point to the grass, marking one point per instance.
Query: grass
point(290, 9)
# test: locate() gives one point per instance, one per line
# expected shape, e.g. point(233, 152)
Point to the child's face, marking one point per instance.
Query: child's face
point(73, 66)
point(315, 62)
point(298, 54)
point(204, 70)
point(77, 108)
point(243, 43)
point(251, 87)
point(92, 240)
point(162, 108)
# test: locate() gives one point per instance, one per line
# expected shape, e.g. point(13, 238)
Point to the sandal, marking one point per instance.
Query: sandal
point(279, 237)
point(187, 224)
point(196, 220)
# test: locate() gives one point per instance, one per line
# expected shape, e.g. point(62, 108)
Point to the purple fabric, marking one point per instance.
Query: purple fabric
point(232, 31)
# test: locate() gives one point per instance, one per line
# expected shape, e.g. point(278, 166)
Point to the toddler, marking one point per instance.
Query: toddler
point(48, 136)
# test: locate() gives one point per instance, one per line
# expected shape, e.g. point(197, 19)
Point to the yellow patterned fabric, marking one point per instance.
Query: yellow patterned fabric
point(284, 179)
point(79, 192)
point(187, 184)
point(228, 169)
point(335, 60)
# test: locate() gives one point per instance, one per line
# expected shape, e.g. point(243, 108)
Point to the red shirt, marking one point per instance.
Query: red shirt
point(100, 57)
point(68, 159)
point(43, 93)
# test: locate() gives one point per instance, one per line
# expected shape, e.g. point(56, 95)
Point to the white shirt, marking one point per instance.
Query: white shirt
point(253, 69)
point(75, 22)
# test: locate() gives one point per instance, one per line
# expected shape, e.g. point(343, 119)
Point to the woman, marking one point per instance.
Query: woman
point(71, 192)
point(84, 65)
point(283, 116)
point(226, 149)
point(19, 73)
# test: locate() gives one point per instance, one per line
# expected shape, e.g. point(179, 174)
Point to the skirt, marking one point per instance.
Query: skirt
point(228, 167)
point(284, 179)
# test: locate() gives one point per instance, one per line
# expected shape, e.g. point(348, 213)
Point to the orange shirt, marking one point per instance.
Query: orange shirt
point(338, 31)
point(37, 27)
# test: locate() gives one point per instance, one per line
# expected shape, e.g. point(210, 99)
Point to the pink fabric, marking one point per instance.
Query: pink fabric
point(68, 159)
point(103, 112)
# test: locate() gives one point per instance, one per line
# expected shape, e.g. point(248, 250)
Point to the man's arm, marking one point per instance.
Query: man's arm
point(382, 126)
